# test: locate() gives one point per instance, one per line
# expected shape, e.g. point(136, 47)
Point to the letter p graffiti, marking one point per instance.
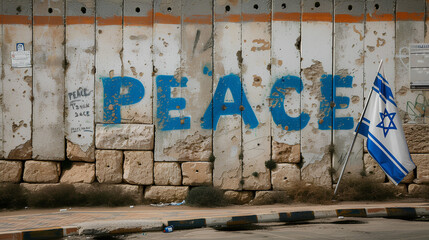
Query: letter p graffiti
point(120, 91)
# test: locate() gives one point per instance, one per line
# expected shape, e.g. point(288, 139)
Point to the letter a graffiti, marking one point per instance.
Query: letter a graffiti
point(239, 104)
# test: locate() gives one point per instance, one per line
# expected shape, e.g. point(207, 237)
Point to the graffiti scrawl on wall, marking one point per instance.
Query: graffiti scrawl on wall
point(229, 98)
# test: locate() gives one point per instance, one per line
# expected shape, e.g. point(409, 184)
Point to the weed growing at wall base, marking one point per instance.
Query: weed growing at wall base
point(55, 196)
point(423, 193)
point(206, 196)
point(359, 189)
point(270, 164)
point(308, 193)
point(13, 196)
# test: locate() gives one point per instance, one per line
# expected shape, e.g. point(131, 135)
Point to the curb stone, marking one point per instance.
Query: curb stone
point(119, 227)
point(135, 226)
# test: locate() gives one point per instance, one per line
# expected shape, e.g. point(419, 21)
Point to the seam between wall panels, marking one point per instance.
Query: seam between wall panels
point(66, 63)
point(332, 106)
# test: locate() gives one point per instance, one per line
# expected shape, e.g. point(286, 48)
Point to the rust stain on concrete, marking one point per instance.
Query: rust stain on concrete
point(257, 81)
point(178, 73)
point(371, 48)
point(380, 42)
point(343, 72)
point(133, 69)
point(15, 126)
point(264, 45)
point(314, 72)
point(360, 60)
point(403, 90)
point(90, 50)
point(29, 80)
point(194, 147)
point(138, 37)
point(355, 99)
point(357, 31)
point(233, 2)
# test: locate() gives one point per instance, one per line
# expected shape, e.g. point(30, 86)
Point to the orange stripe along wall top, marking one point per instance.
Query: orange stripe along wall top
point(158, 96)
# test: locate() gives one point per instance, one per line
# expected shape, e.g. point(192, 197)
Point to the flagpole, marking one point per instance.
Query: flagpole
point(357, 131)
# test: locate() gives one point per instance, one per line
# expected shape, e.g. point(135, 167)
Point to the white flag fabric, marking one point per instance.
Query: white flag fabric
point(382, 127)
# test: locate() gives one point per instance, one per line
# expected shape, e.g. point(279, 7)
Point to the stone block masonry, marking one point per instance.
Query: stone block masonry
point(10, 171)
point(164, 96)
point(41, 172)
point(167, 173)
point(124, 136)
point(197, 173)
point(109, 166)
point(79, 172)
point(138, 167)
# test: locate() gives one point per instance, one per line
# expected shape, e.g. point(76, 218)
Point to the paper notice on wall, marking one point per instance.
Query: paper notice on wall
point(21, 59)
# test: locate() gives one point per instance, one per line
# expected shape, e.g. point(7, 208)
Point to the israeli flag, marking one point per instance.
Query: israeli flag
point(382, 127)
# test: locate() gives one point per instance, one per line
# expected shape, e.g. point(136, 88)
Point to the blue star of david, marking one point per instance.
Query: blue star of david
point(391, 124)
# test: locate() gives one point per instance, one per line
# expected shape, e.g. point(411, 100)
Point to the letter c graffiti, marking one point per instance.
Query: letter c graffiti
point(278, 112)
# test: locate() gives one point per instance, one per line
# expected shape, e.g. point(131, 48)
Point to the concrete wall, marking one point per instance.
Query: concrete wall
point(169, 94)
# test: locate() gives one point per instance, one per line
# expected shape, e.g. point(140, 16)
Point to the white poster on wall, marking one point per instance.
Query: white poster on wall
point(21, 59)
point(419, 66)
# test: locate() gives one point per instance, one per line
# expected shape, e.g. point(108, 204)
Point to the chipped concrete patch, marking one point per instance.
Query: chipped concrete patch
point(22, 152)
point(314, 72)
point(75, 153)
point(125, 136)
point(194, 147)
point(285, 153)
point(318, 172)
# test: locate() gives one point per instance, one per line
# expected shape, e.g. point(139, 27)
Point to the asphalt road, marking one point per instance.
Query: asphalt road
point(347, 228)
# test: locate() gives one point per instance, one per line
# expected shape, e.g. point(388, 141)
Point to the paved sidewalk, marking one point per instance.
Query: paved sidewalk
point(33, 221)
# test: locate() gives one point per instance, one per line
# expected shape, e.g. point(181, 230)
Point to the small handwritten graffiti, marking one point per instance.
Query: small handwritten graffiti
point(80, 110)
point(81, 129)
point(229, 98)
point(79, 104)
point(418, 108)
point(120, 91)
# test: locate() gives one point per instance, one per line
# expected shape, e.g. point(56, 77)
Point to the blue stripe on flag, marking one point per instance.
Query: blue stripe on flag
point(385, 163)
point(366, 120)
point(382, 78)
point(363, 129)
point(388, 152)
point(384, 90)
